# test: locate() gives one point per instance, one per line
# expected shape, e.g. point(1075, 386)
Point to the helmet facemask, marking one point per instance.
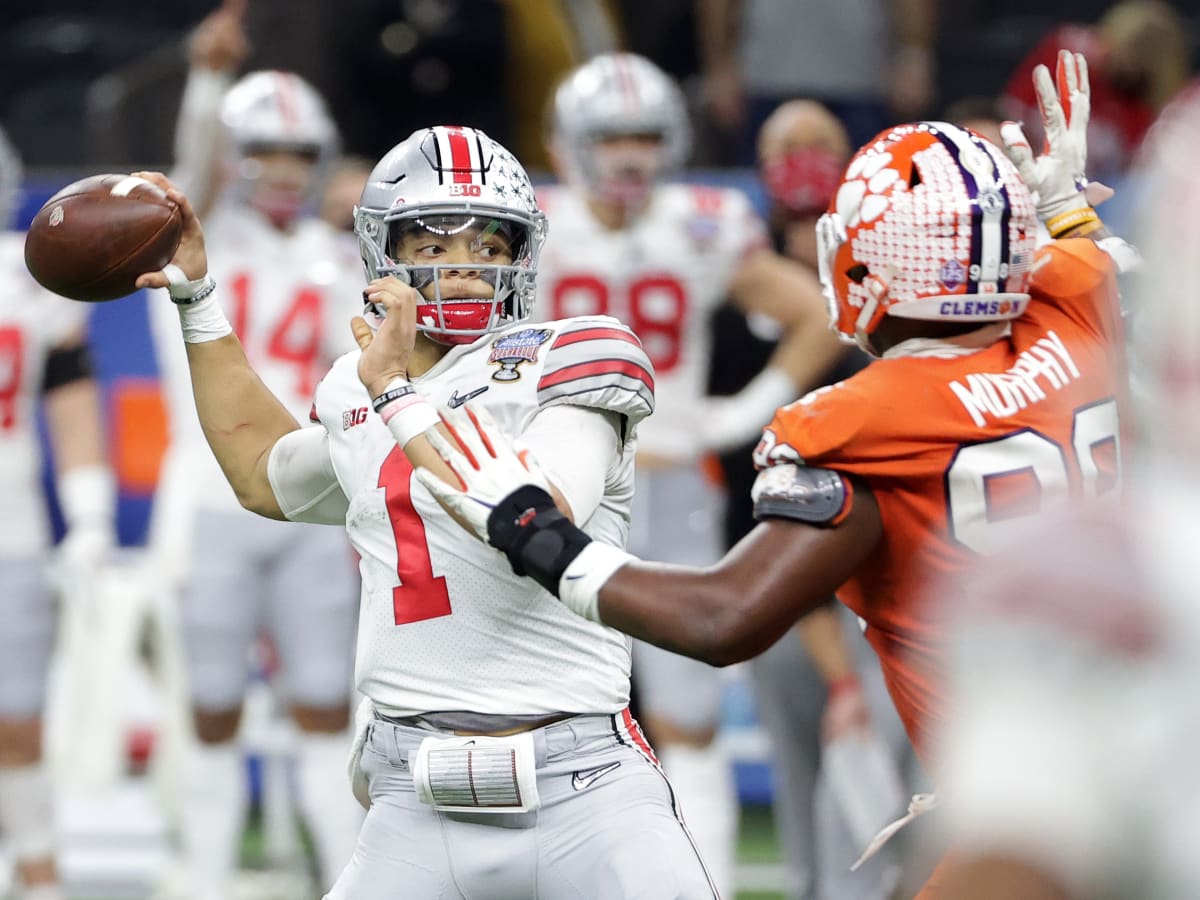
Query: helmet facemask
point(461, 300)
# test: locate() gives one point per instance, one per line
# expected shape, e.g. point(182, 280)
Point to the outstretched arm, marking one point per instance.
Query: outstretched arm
point(721, 614)
point(240, 416)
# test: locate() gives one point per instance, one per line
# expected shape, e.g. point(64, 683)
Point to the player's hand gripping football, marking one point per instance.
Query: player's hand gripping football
point(1056, 176)
point(189, 265)
point(387, 341)
point(486, 463)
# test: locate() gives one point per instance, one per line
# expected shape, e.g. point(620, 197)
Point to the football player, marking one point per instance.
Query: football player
point(497, 753)
point(43, 355)
point(999, 391)
point(1107, 791)
point(661, 257)
point(254, 153)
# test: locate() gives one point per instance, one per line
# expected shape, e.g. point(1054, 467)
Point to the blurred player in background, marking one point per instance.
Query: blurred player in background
point(497, 752)
point(1018, 360)
point(818, 690)
point(254, 155)
point(661, 257)
point(43, 355)
point(1079, 779)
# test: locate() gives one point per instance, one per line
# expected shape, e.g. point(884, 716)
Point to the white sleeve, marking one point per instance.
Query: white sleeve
point(575, 446)
point(302, 478)
point(741, 417)
point(198, 132)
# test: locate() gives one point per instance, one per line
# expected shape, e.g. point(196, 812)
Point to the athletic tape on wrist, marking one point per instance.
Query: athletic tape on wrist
point(184, 291)
point(88, 495)
point(203, 321)
point(579, 587)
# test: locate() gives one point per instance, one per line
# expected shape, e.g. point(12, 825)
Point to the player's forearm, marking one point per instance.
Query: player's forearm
point(197, 133)
point(717, 32)
point(806, 353)
point(240, 417)
point(820, 633)
point(916, 24)
point(76, 429)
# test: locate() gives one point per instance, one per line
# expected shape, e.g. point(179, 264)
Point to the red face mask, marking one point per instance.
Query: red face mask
point(803, 181)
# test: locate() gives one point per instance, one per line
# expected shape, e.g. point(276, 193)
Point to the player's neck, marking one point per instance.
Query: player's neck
point(426, 354)
point(613, 216)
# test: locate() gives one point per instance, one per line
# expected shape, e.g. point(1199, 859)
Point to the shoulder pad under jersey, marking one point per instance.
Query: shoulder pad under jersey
point(598, 362)
point(803, 494)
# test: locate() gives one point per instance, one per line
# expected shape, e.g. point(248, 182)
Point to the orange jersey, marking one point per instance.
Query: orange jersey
point(957, 450)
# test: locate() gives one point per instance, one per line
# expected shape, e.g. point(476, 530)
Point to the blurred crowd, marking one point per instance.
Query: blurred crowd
point(782, 93)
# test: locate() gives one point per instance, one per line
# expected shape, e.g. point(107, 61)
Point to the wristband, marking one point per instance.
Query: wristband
point(404, 411)
point(184, 291)
point(88, 495)
point(579, 586)
point(1071, 219)
point(538, 540)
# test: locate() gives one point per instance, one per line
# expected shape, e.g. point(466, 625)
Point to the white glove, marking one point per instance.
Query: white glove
point(87, 495)
point(1057, 175)
point(488, 465)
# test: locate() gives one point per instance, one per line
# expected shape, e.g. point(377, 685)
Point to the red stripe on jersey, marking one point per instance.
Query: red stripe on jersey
point(460, 156)
point(596, 334)
point(312, 414)
point(598, 367)
point(635, 732)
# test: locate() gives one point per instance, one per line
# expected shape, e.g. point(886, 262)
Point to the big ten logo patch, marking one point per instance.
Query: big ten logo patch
point(352, 417)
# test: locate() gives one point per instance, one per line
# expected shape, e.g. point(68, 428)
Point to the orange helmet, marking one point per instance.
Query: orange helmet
point(932, 222)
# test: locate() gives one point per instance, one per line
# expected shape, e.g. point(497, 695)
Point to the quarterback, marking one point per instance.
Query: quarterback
point(497, 754)
point(871, 487)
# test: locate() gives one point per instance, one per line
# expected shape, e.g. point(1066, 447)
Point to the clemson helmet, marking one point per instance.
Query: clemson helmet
point(930, 222)
point(612, 95)
point(453, 177)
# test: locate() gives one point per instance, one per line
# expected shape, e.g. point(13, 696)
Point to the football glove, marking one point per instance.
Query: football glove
point(1056, 176)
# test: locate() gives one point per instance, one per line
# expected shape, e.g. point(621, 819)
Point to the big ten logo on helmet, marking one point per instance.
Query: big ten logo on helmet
point(465, 190)
point(511, 350)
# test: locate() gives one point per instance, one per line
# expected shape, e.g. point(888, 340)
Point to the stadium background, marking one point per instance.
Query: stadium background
point(87, 87)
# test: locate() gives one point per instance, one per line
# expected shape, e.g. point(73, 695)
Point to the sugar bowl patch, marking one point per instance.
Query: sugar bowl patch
point(511, 350)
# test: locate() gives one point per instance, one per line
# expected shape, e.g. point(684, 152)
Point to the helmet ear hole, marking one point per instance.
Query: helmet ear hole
point(857, 273)
point(914, 177)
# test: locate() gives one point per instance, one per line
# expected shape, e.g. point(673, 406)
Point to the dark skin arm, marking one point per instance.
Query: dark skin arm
point(737, 608)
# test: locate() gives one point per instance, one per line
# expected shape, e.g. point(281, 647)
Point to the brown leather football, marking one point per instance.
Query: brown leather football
point(95, 237)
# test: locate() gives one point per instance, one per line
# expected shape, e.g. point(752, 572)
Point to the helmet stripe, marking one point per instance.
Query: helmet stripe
point(460, 155)
point(985, 187)
point(285, 91)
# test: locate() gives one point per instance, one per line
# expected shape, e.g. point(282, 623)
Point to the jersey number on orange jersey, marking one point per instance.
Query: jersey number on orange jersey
point(12, 355)
point(657, 306)
point(296, 339)
point(992, 485)
point(420, 595)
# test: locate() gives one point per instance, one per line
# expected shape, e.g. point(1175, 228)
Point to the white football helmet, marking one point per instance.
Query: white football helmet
point(445, 179)
point(10, 181)
point(930, 222)
point(614, 95)
point(268, 111)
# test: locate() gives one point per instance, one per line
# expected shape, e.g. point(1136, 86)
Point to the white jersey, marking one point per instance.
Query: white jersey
point(1075, 671)
point(290, 298)
point(445, 625)
point(32, 322)
point(662, 276)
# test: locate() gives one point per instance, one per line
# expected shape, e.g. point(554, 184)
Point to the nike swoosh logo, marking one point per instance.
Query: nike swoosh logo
point(456, 399)
point(581, 780)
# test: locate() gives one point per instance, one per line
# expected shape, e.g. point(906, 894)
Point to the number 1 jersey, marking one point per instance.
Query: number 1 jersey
point(445, 625)
point(958, 450)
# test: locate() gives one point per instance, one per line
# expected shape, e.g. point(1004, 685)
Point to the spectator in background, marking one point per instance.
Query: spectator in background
point(811, 686)
point(870, 62)
point(1139, 57)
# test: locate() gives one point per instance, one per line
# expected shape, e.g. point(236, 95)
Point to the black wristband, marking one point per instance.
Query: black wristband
point(538, 540)
point(388, 396)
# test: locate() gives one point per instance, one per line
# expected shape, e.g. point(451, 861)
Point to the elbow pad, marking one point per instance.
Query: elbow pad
point(819, 497)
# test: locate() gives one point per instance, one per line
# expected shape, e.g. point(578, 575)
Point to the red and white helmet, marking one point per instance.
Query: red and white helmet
point(456, 177)
point(930, 222)
point(272, 109)
point(617, 94)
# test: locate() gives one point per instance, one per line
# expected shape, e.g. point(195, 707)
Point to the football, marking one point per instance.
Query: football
point(94, 238)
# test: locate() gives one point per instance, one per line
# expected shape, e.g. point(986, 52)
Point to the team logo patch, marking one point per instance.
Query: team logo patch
point(952, 274)
point(511, 350)
point(702, 231)
point(352, 417)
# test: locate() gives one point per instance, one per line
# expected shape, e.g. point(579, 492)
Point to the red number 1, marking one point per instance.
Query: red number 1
point(420, 595)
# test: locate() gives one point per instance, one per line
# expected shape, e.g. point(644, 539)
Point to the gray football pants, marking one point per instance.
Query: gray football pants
point(613, 835)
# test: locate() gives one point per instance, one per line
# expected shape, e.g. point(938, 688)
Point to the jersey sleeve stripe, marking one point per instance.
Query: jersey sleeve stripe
point(597, 367)
point(595, 334)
